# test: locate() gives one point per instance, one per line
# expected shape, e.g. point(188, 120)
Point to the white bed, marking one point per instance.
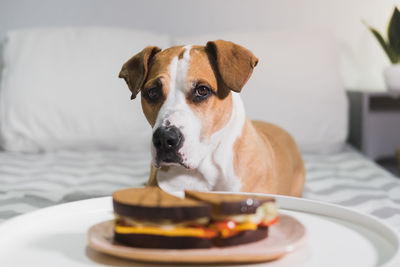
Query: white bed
point(70, 132)
point(29, 182)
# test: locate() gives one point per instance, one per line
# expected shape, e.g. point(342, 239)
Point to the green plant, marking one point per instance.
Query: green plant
point(392, 45)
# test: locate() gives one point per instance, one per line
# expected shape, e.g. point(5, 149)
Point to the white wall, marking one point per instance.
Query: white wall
point(362, 58)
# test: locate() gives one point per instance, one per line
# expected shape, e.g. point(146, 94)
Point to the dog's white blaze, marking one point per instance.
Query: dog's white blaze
point(211, 164)
point(176, 111)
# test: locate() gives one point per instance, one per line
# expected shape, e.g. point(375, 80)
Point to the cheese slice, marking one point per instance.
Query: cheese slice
point(246, 226)
point(162, 224)
point(177, 231)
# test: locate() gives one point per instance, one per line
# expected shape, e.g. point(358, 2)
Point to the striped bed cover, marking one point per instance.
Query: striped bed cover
point(32, 181)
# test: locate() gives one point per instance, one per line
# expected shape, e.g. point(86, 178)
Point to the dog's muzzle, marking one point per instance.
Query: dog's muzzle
point(167, 141)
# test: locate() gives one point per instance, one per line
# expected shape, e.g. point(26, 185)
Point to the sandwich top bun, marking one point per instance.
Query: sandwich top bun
point(152, 203)
point(229, 204)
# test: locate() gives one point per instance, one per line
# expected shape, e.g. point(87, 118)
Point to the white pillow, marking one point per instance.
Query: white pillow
point(296, 85)
point(60, 90)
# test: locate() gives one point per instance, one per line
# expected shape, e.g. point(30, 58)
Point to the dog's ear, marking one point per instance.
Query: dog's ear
point(234, 65)
point(135, 70)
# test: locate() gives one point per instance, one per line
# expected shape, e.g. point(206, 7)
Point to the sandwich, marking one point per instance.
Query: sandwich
point(151, 218)
point(238, 219)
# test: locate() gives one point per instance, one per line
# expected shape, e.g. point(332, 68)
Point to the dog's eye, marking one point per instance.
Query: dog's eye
point(201, 93)
point(153, 94)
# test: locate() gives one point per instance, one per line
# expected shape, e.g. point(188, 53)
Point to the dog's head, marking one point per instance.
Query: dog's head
point(186, 95)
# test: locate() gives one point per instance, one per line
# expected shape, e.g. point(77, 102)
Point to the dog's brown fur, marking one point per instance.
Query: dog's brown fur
point(265, 157)
point(272, 163)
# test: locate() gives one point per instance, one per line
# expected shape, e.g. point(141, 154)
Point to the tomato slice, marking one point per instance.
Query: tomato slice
point(221, 225)
point(224, 228)
point(209, 233)
point(268, 223)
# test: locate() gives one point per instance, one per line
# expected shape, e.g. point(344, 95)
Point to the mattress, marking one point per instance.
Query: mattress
point(32, 181)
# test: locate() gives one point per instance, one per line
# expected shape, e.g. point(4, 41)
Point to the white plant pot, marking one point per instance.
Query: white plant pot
point(392, 77)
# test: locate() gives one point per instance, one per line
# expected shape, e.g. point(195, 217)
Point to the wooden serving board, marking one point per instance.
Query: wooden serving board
point(284, 237)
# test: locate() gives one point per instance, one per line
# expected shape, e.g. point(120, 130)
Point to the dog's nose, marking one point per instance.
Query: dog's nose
point(167, 138)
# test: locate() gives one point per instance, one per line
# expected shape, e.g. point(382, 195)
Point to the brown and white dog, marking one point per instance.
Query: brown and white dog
point(202, 138)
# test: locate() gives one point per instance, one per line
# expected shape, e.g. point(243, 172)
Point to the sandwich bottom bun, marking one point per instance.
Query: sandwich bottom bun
point(188, 242)
point(159, 241)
